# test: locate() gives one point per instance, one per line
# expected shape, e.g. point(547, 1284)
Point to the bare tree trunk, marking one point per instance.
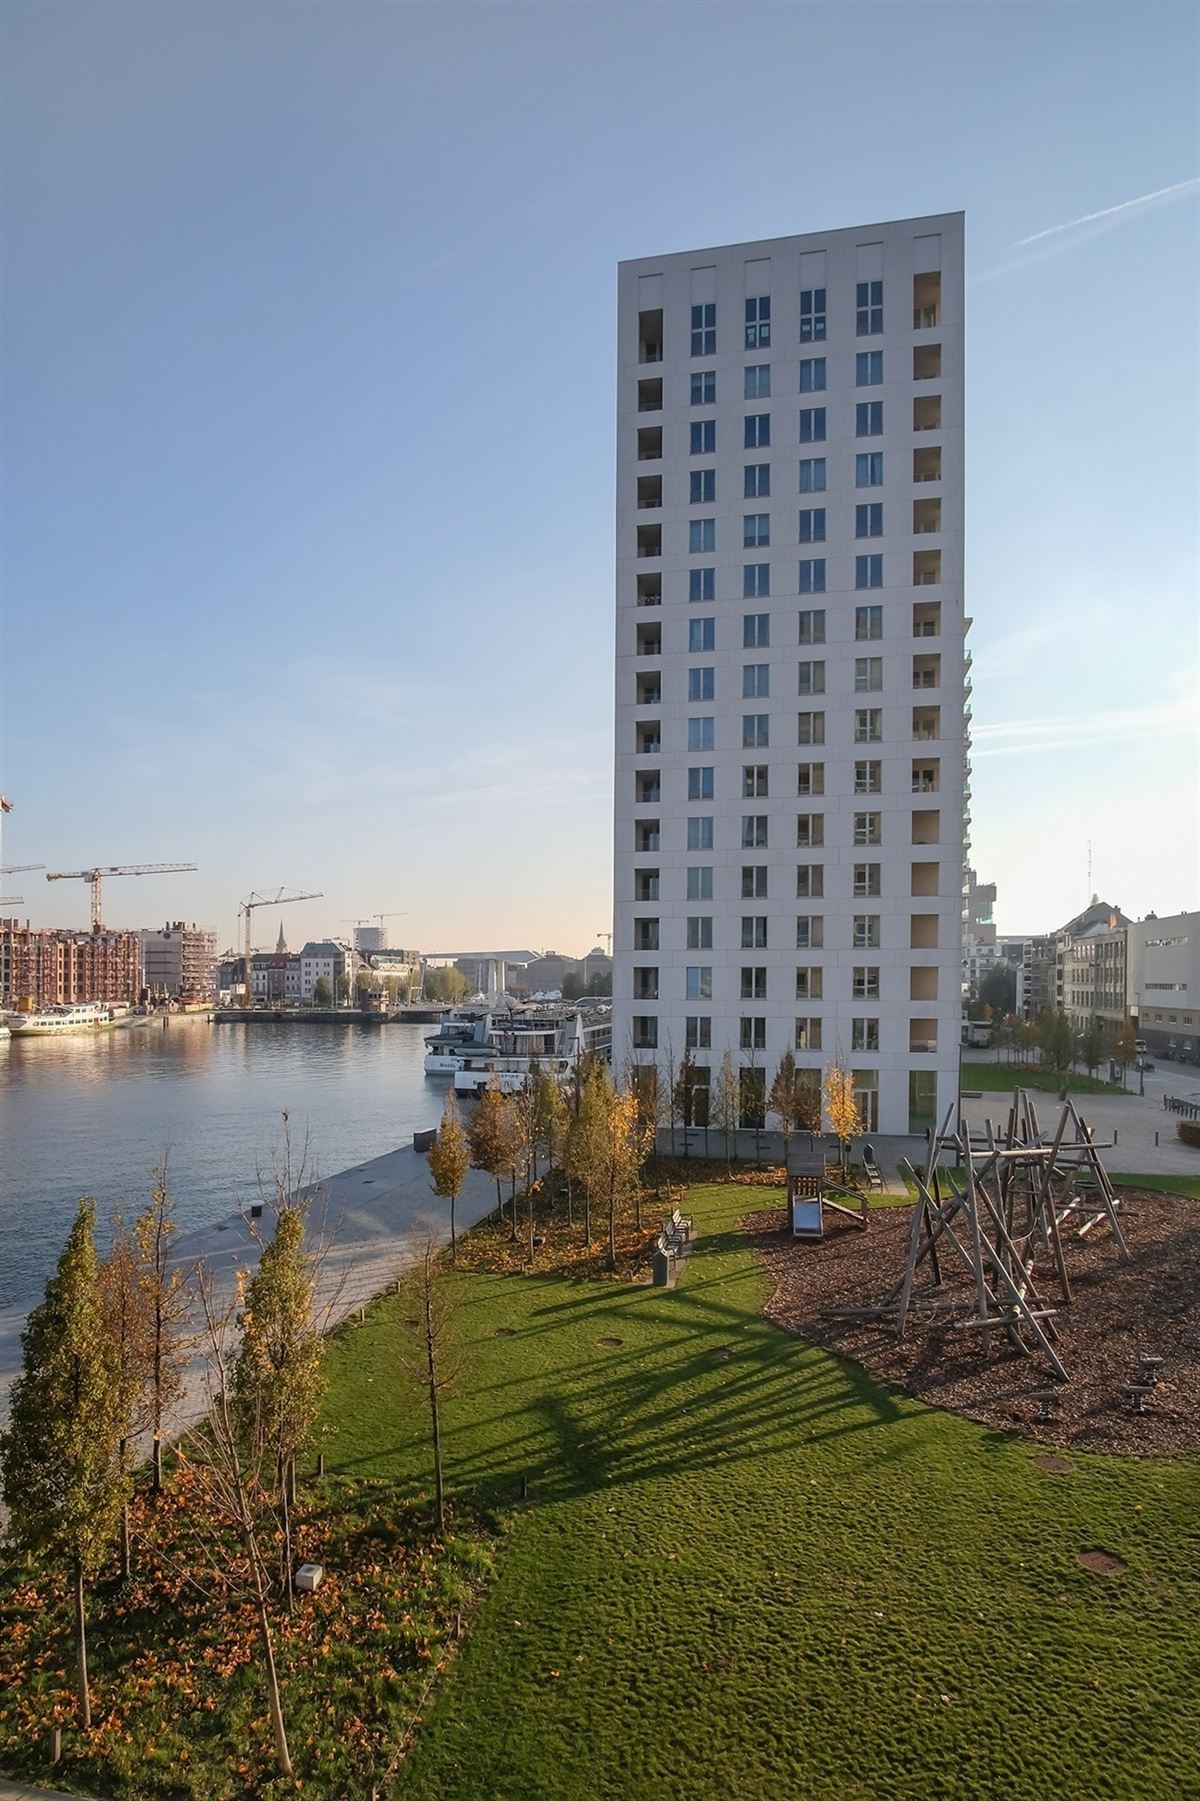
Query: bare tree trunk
point(453, 1239)
point(157, 1482)
point(435, 1422)
point(83, 1692)
point(283, 1756)
point(570, 1206)
point(612, 1226)
point(587, 1214)
point(531, 1222)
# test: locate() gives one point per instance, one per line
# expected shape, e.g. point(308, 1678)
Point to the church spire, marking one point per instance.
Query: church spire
point(281, 949)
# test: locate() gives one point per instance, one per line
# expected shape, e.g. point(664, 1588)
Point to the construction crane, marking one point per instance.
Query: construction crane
point(16, 900)
point(367, 918)
point(608, 938)
point(247, 907)
point(94, 877)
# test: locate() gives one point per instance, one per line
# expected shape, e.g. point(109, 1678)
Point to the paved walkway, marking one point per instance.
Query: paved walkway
point(24, 1791)
point(1134, 1120)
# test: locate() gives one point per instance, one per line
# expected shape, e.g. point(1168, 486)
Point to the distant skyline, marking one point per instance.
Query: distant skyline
point(306, 475)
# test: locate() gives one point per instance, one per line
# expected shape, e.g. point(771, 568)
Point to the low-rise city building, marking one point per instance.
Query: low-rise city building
point(179, 963)
point(1164, 984)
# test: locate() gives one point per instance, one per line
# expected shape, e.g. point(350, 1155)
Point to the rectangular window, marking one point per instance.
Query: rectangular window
point(754, 983)
point(812, 626)
point(757, 382)
point(702, 536)
point(703, 437)
point(864, 1034)
point(755, 731)
point(757, 431)
point(868, 571)
point(812, 315)
point(700, 733)
point(702, 634)
point(754, 781)
point(868, 675)
point(812, 425)
point(868, 778)
point(812, 575)
point(700, 832)
point(756, 481)
point(866, 881)
point(809, 984)
point(754, 881)
point(697, 980)
point(868, 725)
point(812, 525)
point(645, 1032)
point(867, 828)
point(810, 881)
point(700, 882)
point(810, 728)
point(812, 678)
point(752, 1037)
point(869, 314)
point(868, 624)
point(756, 631)
point(812, 375)
point(704, 330)
point(868, 419)
point(756, 581)
point(700, 782)
point(868, 368)
point(812, 475)
point(702, 584)
point(810, 778)
point(697, 1029)
point(868, 520)
point(808, 1034)
point(810, 931)
point(864, 982)
point(868, 469)
point(866, 931)
point(699, 932)
point(758, 323)
point(702, 487)
point(704, 387)
point(756, 531)
point(756, 681)
point(810, 830)
point(754, 931)
point(754, 831)
point(701, 684)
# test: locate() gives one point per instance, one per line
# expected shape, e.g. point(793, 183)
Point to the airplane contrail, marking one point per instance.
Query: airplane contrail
point(1178, 187)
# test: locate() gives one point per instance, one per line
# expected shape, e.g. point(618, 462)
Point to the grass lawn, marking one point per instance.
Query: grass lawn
point(1185, 1185)
point(747, 1569)
point(1002, 1078)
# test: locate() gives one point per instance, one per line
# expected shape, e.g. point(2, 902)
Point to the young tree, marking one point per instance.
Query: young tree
point(449, 1161)
point(153, 1233)
point(727, 1107)
point(841, 1107)
point(621, 1151)
point(752, 1099)
point(322, 994)
point(675, 1092)
point(277, 1379)
point(783, 1099)
point(490, 1137)
point(432, 1359)
point(551, 1114)
point(60, 1463)
point(586, 1140)
point(642, 1082)
point(127, 1303)
point(808, 1101)
point(1127, 1046)
point(234, 1489)
point(1092, 1047)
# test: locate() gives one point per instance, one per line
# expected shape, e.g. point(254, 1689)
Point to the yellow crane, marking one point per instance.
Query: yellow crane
point(94, 877)
point(247, 907)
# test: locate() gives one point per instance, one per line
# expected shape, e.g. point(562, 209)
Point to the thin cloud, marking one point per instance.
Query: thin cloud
point(1077, 731)
point(1108, 212)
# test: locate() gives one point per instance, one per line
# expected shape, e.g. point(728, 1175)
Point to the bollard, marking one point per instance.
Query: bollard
point(56, 1745)
point(1156, 1138)
point(320, 1463)
point(1114, 1136)
point(524, 1486)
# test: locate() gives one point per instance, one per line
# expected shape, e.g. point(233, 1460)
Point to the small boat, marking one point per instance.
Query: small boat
point(457, 1032)
point(48, 1022)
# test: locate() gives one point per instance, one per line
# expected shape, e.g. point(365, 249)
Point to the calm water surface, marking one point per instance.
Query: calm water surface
point(93, 1115)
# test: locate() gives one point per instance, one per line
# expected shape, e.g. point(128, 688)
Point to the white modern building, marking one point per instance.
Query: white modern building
point(790, 666)
point(1164, 983)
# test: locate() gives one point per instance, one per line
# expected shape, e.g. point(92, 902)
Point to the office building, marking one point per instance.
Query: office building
point(791, 673)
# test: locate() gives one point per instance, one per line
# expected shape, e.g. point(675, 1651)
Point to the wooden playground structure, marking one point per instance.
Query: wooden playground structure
point(989, 1234)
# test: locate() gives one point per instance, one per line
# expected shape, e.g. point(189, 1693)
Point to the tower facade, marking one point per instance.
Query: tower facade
point(791, 674)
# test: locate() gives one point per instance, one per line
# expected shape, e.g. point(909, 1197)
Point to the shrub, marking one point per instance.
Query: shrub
point(1189, 1131)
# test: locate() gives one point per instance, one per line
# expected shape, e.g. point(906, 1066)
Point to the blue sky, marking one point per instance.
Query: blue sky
point(308, 357)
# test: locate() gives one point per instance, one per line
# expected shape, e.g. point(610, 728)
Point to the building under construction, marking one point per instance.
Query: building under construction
point(41, 966)
point(179, 964)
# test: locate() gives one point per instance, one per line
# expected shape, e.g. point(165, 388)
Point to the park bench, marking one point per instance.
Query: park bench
point(874, 1179)
point(676, 1233)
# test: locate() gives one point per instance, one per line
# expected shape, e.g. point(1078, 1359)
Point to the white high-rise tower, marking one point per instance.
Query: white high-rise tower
point(791, 670)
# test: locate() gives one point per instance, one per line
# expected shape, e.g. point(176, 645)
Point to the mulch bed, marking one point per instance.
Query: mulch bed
point(1151, 1304)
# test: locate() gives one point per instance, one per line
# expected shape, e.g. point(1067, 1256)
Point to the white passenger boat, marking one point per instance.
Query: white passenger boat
point(520, 1042)
point(85, 1016)
point(458, 1032)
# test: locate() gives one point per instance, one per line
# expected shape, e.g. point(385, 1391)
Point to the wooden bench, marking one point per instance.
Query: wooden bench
point(874, 1179)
